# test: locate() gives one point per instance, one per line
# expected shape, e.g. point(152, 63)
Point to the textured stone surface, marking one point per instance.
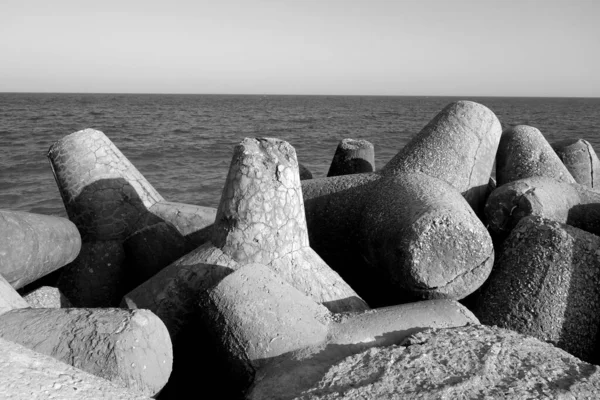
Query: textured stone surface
point(547, 284)
point(150, 249)
point(351, 334)
point(304, 172)
point(130, 348)
point(47, 297)
point(457, 146)
point(456, 363)
point(569, 203)
point(352, 156)
point(9, 298)
point(104, 194)
point(96, 278)
point(426, 238)
point(187, 218)
point(261, 219)
point(523, 153)
point(581, 160)
point(28, 375)
point(172, 294)
point(34, 245)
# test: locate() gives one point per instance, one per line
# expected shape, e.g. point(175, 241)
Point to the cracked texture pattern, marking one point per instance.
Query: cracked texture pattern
point(458, 146)
point(523, 153)
point(33, 245)
point(187, 218)
point(129, 348)
point(29, 375)
point(581, 160)
point(468, 362)
point(547, 284)
point(103, 193)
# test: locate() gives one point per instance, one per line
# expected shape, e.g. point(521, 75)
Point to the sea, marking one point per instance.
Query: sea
point(183, 144)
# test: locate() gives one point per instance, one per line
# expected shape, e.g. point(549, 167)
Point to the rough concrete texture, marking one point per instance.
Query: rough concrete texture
point(132, 349)
point(304, 172)
point(547, 284)
point(581, 160)
point(468, 362)
point(422, 233)
point(351, 334)
point(172, 294)
point(150, 249)
point(28, 375)
point(261, 219)
point(96, 278)
point(104, 194)
point(9, 298)
point(523, 153)
point(352, 156)
point(33, 245)
point(457, 146)
point(47, 297)
point(570, 203)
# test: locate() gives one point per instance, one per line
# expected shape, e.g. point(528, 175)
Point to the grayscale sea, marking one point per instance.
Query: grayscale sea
point(183, 143)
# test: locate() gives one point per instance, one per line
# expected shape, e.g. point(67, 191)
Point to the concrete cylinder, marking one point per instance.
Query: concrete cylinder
point(104, 194)
point(304, 172)
point(132, 349)
point(547, 284)
point(523, 153)
point(352, 156)
point(27, 374)
point(422, 233)
point(569, 203)
point(33, 245)
point(581, 160)
point(47, 297)
point(457, 146)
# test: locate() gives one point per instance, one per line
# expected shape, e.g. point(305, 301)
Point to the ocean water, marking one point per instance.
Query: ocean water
point(183, 143)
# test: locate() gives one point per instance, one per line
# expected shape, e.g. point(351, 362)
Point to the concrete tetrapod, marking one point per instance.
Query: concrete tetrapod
point(260, 219)
point(469, 362)
point(33, 245)
point(46, 297)
point(28, 375)
point(569, 203)
point(352, 156)
point(523, 153)
point(547, 284)
point(263, 326)
point(581, 160)
point(132, 349)
point(109, 200)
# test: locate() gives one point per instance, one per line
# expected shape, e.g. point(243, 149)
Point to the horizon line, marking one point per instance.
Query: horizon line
point(293, 94)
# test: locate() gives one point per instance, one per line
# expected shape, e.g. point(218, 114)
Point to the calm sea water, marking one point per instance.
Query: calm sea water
point(183, 143)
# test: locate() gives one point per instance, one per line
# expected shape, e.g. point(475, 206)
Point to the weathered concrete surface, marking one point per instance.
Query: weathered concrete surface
point(9, 298)
point(457, 146)
point(130, 348)
point(569, 203)
point(304, 172)
point(547, 284)
point(426, 238)
point(47, 297)
point(261, 219)
point(28, 375)
point(468, 362)
point(96, 278)
point(581, 160)
point(523, 153)
point(352, 156)
point(150, 249)
point(33, 245)
point(172, 294)
point(104, 194)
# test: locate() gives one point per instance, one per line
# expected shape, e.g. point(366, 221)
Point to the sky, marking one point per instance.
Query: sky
point(329, 47)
